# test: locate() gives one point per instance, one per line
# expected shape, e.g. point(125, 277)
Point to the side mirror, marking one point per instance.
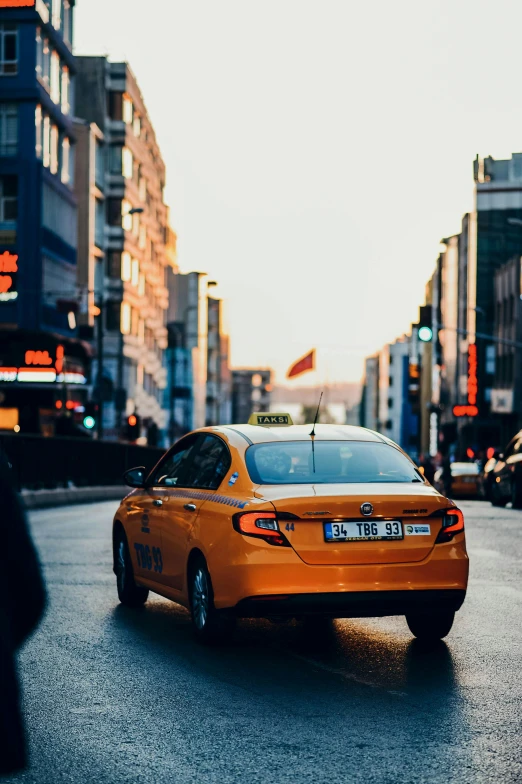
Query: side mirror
point(135, 477)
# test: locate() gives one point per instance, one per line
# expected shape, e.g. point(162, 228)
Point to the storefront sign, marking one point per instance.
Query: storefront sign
point(471, 409)
point(38, 369)
point(17, 3)
point(8, 275)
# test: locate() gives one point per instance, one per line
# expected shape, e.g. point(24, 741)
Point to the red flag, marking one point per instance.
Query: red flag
point(302, 365)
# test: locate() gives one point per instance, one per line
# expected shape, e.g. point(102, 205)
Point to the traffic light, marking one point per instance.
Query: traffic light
point(425, 325)
point(133, 427)
point(90, 416)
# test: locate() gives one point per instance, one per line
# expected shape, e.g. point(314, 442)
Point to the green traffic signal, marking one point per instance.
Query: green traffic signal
point(89, 422)
point(425, 334)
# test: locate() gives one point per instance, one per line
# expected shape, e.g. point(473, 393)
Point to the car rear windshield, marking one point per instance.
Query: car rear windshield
point(328, 462)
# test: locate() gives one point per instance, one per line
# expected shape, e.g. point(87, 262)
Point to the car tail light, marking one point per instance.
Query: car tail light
point(262, 525)
point(452, 524)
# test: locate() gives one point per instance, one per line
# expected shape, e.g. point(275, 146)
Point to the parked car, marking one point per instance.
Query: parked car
point(465, 480)
point(487, 476)
point(506, 475)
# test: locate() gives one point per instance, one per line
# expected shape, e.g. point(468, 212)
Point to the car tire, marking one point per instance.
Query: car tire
point(430, 627)
point(210, 626)
point(516, 493)
point(495, 500)
point(129, 594)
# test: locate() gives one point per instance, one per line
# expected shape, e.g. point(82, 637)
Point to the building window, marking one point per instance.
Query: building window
point(114, 213)
point(8, 198)
point(67, 22)
point(126, 218)
point(8, 50)
point(99, 223)
point(66, 160)
point(38, 127)
point(65, 90)
point(126, 314)
point(136, 126)
point(46, 54)
point(39, 53)
point(115, 159)
point(112, 321)
point(115, 101)
point(127, 163)
point(142, 189)
point(390, 402)
point(126, 266)
point(55, 77)
point(46, 142)
point(53, 164)
point(8, 129)
point(57, 14)
point(99, 165)
point(135, 276)
point(127, 110)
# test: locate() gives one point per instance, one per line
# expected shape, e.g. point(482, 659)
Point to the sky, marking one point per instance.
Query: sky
point(317, 152)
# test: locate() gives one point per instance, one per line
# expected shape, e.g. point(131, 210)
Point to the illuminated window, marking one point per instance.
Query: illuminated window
point(8, 50)
point(135, 276)
point(125, 324)
point(136, 224)
point(143, 237)
point(46, 142)
point(126, 219)
point(8, 129)
point(141, 285)
point(55, 77)
point(54, 150)
point(57, 14)
point(136, 126)
point(126, 266)
point(127, 163)
point(127, 110)
point(65, 90)
point(46, 54)
point(66, 154)
point(8, 198)
point(38, 127)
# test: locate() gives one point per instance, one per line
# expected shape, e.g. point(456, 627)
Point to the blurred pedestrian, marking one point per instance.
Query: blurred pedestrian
point(22, 602)
point(428, 468)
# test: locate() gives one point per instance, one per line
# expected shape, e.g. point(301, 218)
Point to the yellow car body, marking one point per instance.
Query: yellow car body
point(212, 517)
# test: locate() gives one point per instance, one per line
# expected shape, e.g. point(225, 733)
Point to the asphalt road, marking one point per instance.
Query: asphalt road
point(118, 695)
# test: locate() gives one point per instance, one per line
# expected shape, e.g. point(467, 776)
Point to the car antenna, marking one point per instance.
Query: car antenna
point(316, 415)
point(312, 434)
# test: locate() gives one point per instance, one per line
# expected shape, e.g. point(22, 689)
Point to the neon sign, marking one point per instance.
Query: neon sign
point(8, 270)
point(471, 409)
point(17, 3)
point(38, 358)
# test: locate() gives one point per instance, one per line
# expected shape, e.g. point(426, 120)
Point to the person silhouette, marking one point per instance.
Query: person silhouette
point(22, 603)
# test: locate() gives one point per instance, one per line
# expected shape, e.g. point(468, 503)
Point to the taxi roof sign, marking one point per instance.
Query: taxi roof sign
point(270, 420)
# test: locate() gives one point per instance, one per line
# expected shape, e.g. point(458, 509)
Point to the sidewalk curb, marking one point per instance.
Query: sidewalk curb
point(64, 496)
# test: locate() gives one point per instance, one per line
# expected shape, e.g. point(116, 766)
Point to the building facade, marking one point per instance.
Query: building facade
point(130, 274)
point(44, 368)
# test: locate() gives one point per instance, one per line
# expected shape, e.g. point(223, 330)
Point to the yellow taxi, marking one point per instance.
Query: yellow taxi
point(271, 519)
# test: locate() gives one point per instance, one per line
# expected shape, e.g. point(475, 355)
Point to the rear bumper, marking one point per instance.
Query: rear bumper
point(358, 604)
point(264, 571)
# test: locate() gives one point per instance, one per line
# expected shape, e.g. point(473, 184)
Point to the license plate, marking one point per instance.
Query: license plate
point(363, 531)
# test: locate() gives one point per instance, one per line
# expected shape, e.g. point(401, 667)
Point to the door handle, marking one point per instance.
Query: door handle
point(157, 502)
point(190, 507)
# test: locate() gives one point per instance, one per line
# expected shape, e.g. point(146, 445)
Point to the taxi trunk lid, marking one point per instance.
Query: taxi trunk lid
point(303, 510)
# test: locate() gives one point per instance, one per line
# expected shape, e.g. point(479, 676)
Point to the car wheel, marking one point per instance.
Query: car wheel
point(129, 594)
point(516, 493)
point(495, 498)
point(209, 625)
point(431, 626)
